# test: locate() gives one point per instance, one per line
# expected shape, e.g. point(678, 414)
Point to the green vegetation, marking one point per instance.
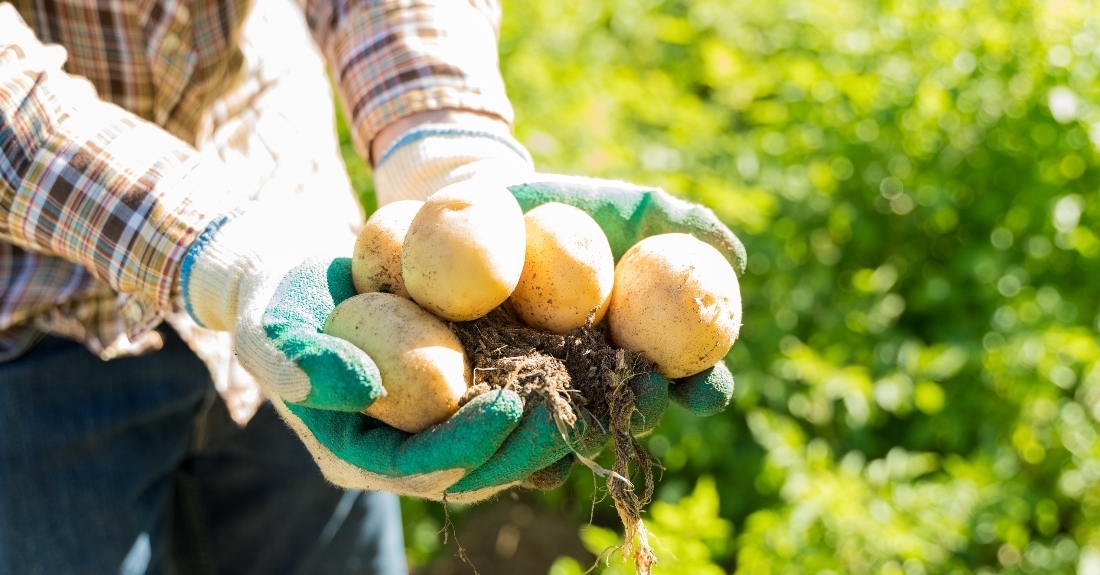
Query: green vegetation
point(916, 183)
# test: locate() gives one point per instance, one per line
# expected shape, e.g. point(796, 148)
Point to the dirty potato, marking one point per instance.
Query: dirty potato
point(568, 271)
point(677, 300)
point(464, 251)
point(424, 369)
point(376, 259)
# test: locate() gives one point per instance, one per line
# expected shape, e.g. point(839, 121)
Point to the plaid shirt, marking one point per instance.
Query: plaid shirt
point(102, 188)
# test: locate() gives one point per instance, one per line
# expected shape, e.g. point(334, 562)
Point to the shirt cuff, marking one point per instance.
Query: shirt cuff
point(391, 60)
point(122, 198)
point(93, 184)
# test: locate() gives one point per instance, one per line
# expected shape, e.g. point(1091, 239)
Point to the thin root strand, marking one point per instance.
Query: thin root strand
point(583, 381)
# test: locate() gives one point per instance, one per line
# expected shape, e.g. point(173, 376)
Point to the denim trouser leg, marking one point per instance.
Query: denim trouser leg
point(133, 466)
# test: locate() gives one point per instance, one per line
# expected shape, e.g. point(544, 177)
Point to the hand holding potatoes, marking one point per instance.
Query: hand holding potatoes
point(354, 450)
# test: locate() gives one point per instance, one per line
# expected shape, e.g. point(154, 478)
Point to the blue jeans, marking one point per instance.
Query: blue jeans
point(133, 467)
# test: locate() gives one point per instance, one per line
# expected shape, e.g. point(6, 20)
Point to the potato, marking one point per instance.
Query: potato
point(677, 300)
point(464, 251)
point(424, 369)
point(568, 270)
point(376, 261)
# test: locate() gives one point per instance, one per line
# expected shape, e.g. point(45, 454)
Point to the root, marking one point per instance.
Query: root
point(448, 526)
point(627, 503)
point(582, 380)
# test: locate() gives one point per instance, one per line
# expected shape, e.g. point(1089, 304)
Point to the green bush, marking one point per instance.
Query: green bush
point(916, 183)
point(687, 535)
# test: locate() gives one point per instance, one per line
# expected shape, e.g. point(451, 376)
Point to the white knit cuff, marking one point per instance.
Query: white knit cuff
point(430, 157)
point(209, 293)
point(262, 238)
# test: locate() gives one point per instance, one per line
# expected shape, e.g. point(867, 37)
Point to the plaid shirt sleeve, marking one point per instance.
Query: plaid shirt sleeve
point(89, 182)
point(394, 58)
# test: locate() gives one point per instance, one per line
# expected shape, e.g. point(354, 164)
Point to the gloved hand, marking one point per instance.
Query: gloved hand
point(269, 276)
point(432, 156)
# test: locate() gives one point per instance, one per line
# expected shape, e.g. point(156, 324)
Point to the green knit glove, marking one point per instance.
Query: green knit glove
point(536, 455)
point(429, 157)
point(627, 214)
point(249, 273)
point(355, 450)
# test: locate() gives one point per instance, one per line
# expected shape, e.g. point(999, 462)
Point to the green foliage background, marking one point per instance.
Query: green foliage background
point(916, 182)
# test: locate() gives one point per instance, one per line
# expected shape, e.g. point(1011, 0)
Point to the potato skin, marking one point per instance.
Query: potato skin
point(424, 369)
point(376, 261)
point(464, 251)
point(568, 270)
point(677, 300)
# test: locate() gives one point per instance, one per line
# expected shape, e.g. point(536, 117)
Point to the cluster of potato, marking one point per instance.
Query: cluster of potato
point(469, 248)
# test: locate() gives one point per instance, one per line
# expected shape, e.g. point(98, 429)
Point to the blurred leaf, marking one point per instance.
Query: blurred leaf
point(917, 183)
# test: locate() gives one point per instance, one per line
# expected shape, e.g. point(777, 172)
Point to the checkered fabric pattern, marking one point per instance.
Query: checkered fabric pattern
point(114, 159)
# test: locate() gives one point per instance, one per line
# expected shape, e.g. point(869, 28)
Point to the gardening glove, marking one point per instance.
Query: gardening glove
point(269, 276)
point(432, 156)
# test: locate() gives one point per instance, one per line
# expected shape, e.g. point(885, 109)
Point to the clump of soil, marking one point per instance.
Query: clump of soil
point(583, 381)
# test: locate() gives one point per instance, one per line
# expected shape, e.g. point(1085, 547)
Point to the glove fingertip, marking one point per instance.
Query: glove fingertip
point(504, 404)
point(342, 377)
point(740, 255)
point(535, 444)
point(651, 394)
point(589, 435)
point(468, 438)
point(552, 476)
point(338, 274)
point(705, 393)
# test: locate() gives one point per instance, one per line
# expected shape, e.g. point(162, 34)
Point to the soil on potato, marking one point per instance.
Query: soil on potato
point(583, 380)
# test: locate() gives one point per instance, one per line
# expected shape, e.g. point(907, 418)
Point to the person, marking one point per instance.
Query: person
point(175, 218)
